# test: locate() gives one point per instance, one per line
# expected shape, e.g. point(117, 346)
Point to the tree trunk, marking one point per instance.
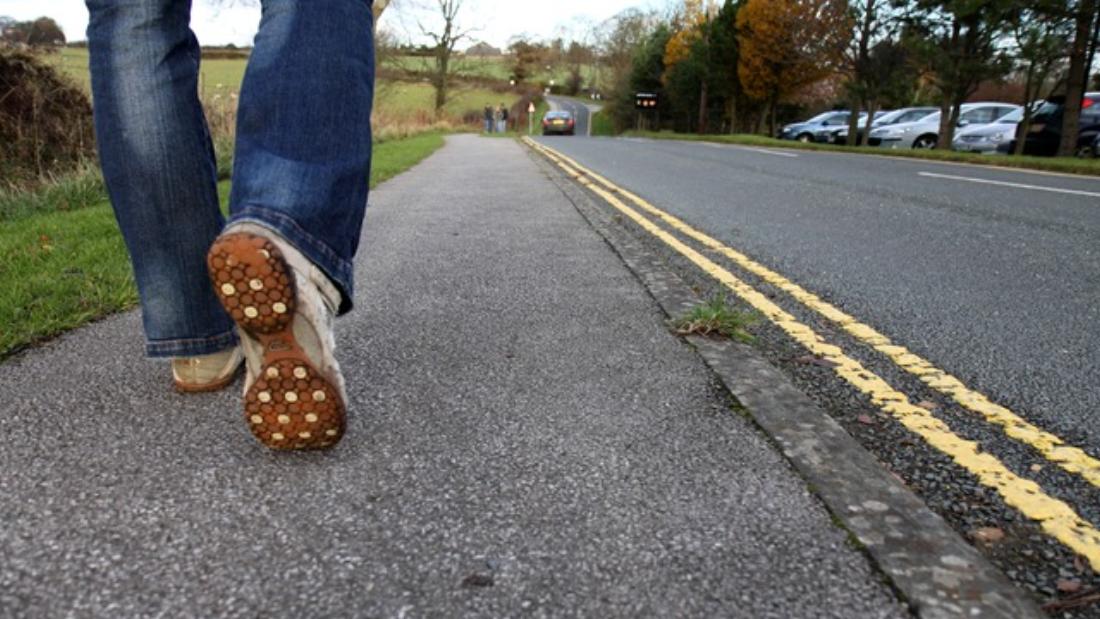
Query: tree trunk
point(442, 62)
point(946, 132)
point(1092, 48)
point(872, 107)
point(772, 113)
point(703, 105)
point(1075, 79)
point(853, 121)
point(1030, 93)
point(731, 113)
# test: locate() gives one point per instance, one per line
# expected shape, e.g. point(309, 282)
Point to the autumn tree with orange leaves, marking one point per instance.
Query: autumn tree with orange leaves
point(787, 45)
point(688, 40)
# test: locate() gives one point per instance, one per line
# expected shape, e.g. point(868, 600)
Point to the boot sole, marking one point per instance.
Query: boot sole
point(217, 385)
point(291, 405)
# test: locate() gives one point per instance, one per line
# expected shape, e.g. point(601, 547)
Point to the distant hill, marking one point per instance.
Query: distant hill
point(483, 49)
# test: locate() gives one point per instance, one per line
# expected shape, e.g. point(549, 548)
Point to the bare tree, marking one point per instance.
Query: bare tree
point(446, 37)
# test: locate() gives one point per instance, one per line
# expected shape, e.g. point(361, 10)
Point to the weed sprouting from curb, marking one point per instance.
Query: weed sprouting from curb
point(716, 318)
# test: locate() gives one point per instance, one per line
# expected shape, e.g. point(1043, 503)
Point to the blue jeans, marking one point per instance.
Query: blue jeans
point(302, 157)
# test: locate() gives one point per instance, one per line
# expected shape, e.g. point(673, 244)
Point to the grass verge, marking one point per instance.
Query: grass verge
point(716, 318)
point(1066, 165)
point(61, 268)
point(601, 124)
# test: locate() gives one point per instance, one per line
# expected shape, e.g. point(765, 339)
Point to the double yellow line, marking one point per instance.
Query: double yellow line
point(1054, 516)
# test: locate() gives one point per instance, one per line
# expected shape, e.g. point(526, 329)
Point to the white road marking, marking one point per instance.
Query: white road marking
point(766, 151)
point(777, 153)
point(985, 181)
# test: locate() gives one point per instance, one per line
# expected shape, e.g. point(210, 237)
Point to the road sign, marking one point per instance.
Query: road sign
point(531, 108)
point(645, 101)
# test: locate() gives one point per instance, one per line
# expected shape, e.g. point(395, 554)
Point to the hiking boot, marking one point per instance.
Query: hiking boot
point(294, 395)
point(206, 372)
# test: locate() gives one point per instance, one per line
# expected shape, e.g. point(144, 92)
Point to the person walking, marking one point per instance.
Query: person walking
point(503, 125)
point(496, 120)
point(488, 118)
point(263, 288)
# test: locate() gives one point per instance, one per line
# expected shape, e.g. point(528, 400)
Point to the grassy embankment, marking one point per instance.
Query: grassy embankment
point(1067, 165)
point(62, 260)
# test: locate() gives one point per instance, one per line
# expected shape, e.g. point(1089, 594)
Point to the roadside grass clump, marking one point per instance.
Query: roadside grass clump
point(1066, 165)
point(75, 190)
point(716, 318)
point(602, 124)
point(45, 121)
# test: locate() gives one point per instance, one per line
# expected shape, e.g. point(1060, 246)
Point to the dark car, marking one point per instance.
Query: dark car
point(817, 129)
point(1045, 134)
point(558, 122)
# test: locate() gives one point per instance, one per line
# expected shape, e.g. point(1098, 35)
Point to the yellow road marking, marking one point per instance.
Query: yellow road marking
point(1054, 516)
point(1072, 459)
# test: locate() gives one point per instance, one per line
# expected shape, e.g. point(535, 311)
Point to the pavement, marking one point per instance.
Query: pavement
point(527, 438)
point(987, 274)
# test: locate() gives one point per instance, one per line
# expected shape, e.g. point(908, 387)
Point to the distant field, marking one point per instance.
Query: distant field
point(407, 101)
point(400, 101)
point(493, 68)
point(216, 74)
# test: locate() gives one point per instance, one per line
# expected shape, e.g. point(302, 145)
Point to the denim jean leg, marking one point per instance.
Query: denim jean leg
point(158, 164)
point(302, 162)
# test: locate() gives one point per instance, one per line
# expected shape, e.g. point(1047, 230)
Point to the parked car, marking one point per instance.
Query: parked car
point(987, 139)
point(560, 122)
point(924, 133)
point(1045, 134)
point(818, 128)
point(882, 119)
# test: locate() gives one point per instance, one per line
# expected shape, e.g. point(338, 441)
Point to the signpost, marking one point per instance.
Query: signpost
point(645, 102)
point(530, 118)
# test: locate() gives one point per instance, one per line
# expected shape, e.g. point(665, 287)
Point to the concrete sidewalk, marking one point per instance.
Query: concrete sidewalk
point(527, 438)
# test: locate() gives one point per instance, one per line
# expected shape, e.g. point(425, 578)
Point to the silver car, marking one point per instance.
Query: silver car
point(986, 138)
point(924, 133)
point(895, 117)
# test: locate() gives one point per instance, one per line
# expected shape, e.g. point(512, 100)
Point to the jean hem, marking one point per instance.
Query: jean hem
point(191, 347)
point(317, 251)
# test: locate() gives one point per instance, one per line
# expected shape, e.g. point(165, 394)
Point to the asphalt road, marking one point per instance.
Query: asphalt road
point(996, 283)
point(581, 111)
point(990, 275)
point(527, 438)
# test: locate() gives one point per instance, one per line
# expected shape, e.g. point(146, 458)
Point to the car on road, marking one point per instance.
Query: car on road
point(1045, 133)
point(882, 119)
point(559, 122)
point(925, 132)
point(817, 129)
point(988, 139)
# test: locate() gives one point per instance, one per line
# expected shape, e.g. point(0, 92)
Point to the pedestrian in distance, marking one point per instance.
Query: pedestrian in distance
point(488, 118)
point(262, 288)
point(496, 119)
point(502, 126)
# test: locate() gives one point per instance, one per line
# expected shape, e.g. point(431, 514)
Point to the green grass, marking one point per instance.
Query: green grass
point(716, 318)
point(393, 100)
point(601, 124)
point(407, 101)
point(61, 268)
point(216, 75)
point(393, 158)
point(1067, 165)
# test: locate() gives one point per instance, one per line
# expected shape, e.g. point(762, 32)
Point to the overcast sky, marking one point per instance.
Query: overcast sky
point(234, 21)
